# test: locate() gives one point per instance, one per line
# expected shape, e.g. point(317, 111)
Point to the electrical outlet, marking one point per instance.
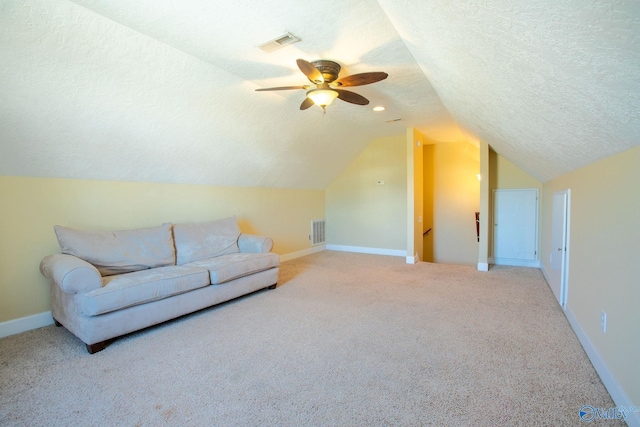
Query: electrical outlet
point(380, 182)
point(603, 321)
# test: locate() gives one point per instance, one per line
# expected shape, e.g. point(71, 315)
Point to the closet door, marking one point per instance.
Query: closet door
point(515, 232)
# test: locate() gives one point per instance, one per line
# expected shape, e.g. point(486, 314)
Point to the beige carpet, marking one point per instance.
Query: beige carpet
point(345, 340)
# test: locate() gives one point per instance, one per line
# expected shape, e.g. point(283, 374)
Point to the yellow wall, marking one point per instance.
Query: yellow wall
point(456, 198)
point(427, 223)
point(604, 270)
point(487, 183)
point(362, 213)
point(509, 176)
point(32, 206)
point(415, 194)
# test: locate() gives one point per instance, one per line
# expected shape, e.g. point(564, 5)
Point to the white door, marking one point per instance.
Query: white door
point(515, 235)
point(558, 257)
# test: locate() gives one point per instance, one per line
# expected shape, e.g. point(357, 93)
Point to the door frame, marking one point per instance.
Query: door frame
point(564, 269)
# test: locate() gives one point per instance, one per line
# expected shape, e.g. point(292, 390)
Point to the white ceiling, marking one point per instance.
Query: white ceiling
point(164, 91)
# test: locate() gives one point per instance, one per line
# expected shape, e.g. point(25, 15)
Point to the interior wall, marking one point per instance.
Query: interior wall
point(603, 259)
point(427, 239)
point(487, 175)
point(504, 176)
point(415, 195)
point(32, 206)
point(362, 213)
point(456, 198)
point(510, 176)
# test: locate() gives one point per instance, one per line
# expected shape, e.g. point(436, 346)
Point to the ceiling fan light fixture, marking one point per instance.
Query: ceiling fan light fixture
point(323, 75)
point(322, 97)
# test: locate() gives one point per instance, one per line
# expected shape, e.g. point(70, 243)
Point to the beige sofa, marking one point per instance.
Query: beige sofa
point(107, 284)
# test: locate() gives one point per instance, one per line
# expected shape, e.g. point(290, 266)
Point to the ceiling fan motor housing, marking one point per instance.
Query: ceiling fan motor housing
point(329, 69)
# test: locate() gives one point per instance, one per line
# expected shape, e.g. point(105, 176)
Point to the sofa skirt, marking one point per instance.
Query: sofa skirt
point(95, 329)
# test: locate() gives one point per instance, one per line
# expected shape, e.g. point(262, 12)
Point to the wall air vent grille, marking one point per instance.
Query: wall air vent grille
point(318, 232)
point(279, 42)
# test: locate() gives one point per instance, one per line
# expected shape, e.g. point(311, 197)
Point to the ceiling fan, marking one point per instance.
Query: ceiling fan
point(326, 86)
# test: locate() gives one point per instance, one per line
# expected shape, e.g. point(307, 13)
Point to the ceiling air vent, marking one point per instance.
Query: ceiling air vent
point(279, 42)
point(392, 120)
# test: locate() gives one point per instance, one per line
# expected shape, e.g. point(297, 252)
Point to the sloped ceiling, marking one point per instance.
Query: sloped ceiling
point(551, 85)
point(165, 91)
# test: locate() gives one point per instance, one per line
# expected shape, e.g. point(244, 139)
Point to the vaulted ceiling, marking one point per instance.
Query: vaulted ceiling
point(164, 91)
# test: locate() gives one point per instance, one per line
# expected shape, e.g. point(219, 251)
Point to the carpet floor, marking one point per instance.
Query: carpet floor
point(345, 340)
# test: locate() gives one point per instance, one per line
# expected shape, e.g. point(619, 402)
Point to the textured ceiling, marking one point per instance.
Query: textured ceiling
point(165, 91)
point(551, 85)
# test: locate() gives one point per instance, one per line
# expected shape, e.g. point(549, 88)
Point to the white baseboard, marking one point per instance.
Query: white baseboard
point(365, 250)
point(618, 395)
point(514, 262)
point(545, 274)
point(620, 398)
point(483, 266)
point(24, 324)
point(304, 252)
point(546, 278)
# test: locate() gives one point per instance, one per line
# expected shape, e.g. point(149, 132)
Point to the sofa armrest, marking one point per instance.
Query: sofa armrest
point(250, 243)
point(70, 273)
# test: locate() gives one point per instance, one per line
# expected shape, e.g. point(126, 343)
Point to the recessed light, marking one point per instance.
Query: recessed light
point(378, 108)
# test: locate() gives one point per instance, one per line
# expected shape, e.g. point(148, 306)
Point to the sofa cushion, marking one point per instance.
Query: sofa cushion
point(228, 267)
point(139, 287)
point(206, 240)
point(116, 252)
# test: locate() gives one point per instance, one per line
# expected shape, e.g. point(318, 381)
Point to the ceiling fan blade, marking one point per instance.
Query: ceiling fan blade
point(281, 88)
point(306, 104)
point(310, 71)
point(360, 79)
point(352, 97)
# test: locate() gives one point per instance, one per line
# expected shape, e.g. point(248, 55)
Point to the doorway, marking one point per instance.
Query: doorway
point(515, 227)
point(559, 255)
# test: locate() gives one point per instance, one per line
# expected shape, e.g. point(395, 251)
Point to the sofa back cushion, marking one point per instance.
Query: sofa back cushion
point(206, 240)
point(116, 252)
